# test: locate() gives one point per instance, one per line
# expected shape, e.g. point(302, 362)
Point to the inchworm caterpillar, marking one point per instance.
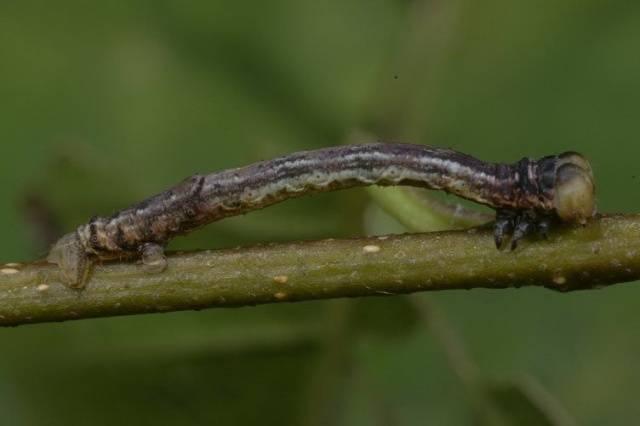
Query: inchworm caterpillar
point(526, 196)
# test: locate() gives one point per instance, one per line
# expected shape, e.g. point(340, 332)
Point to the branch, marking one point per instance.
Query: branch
point(605, 252)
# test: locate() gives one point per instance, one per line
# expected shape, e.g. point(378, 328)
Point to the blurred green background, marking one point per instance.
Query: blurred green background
point(104, 103)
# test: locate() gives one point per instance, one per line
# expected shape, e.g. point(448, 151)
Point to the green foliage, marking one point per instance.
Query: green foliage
point(106, 103)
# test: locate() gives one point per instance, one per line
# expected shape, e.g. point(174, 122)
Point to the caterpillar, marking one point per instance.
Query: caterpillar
point(527, 196)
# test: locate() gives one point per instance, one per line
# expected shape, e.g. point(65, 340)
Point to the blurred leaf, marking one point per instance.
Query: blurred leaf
point(140, 94)
point(526, 403)
point(264, 387)
point(390, 317)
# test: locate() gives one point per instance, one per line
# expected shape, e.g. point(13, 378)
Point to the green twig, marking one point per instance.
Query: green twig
point(603, 253)
point(419, 211)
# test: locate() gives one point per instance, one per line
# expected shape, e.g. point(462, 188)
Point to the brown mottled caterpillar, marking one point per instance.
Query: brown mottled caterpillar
point(526, 196)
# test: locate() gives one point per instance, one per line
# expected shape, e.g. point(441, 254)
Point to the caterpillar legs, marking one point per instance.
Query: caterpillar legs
point(153, 259)
point(517, 224)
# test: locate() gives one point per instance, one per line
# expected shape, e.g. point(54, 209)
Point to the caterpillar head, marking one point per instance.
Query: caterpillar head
point(574, 189)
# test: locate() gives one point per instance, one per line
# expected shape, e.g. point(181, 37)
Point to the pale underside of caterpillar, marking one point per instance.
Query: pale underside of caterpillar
point(526, 195)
